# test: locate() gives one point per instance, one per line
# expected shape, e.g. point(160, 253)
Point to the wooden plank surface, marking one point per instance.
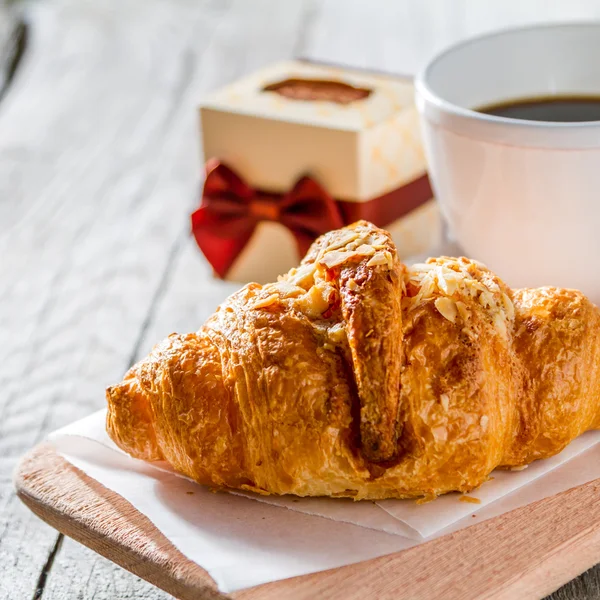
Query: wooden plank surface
point(522, 554)
point(99, 163)
point(99, 170)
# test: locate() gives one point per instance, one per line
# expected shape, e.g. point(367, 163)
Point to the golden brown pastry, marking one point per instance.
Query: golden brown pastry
point(356, 376)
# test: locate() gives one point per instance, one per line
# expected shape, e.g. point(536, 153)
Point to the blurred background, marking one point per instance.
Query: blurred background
point(100, 168)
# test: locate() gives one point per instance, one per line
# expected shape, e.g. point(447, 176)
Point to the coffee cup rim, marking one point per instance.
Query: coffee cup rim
point(447, 113)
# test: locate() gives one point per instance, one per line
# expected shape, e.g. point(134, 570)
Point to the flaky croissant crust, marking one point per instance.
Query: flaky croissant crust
point(356, 376)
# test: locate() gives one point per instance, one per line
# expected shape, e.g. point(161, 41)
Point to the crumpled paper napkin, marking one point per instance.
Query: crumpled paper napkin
point(245, 539)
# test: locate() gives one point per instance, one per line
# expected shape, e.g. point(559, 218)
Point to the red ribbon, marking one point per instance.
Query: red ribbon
point(231, 210)
point(387, 208)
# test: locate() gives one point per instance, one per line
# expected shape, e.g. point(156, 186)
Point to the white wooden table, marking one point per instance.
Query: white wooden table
point(99, 171)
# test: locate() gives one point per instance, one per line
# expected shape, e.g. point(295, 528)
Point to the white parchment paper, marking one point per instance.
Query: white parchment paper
point(244, 539)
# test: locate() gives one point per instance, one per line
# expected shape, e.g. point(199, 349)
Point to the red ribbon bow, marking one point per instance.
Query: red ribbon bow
point(231, 209)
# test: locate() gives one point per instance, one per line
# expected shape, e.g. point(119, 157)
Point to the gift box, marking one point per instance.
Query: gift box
point(299, 148)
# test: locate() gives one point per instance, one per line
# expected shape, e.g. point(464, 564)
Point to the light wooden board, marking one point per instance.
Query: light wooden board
point(99, 170)
point(526, 553)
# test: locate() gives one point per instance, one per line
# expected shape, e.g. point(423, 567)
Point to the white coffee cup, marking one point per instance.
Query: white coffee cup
point(521, 196)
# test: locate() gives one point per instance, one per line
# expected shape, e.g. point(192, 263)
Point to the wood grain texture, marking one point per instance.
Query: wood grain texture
point(13, 40)
point(522, 554)
point(104, 521)
point(99, 170)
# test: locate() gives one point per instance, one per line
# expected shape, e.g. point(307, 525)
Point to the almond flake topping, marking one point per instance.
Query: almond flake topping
point(379, 258)
point(316, 301)
point(337, 333)
point(352, 285)
point(263, 302)
point(345, 239)
point(287, 289)
point(445, 401)
point(509, 307)
point(365, 250)
point(486, 299)
point(448, 279)
point(500, 325)
point(447, 308)
point(336, 258)
point(440, 433)
point(303, 276)
point(389, 258)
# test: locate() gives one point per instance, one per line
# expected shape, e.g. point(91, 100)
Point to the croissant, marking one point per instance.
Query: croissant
point(357, 376)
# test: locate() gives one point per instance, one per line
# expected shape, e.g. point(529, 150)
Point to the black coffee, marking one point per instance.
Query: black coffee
point(548, 108)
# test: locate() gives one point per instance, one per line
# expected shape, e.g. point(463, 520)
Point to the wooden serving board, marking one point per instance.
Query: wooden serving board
point(526, 553)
